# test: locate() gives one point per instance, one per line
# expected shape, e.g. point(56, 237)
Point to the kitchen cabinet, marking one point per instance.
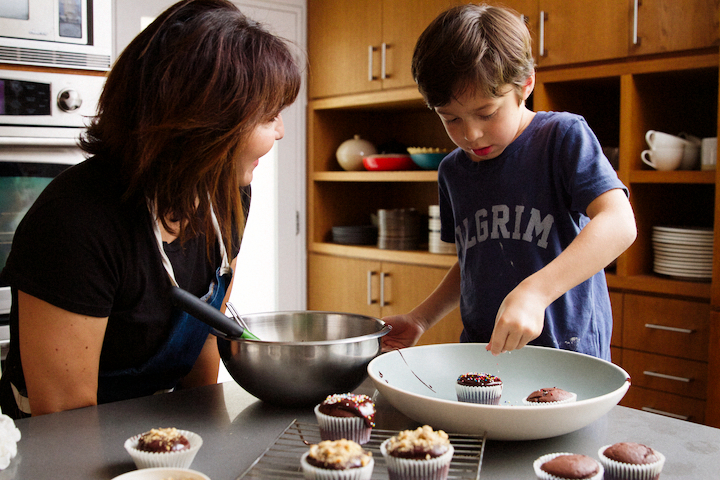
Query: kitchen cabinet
point(378, 289)
point(364, 46)
point(565, 33)
point(620, 28)
point(665, 350)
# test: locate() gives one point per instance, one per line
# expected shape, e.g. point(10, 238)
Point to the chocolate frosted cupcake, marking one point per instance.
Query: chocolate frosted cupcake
point(479, 388)
point(549, 396)
point(422, 453)
point(164, 447)
point(567, 466)
point(337, 460)
point(346, 416)
point(629, 460)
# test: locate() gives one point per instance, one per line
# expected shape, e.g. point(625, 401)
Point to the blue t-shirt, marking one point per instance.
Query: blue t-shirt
point(512, 215)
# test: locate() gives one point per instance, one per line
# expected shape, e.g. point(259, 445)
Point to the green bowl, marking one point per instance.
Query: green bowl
point(428, 161)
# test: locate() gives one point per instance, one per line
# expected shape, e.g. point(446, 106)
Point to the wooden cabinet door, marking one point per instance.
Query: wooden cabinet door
point(342, 284)
point(406, 286)
point(669, 25)
point(573, 32)
point(403, 22)
point(663, 403)
point(340, 32)
point(666, 326)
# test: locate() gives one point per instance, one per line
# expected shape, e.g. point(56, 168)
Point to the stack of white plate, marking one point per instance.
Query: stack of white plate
point(685, 253)
point(435, 245)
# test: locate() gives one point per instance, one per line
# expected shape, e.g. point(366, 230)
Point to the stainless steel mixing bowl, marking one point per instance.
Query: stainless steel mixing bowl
point(303, 356)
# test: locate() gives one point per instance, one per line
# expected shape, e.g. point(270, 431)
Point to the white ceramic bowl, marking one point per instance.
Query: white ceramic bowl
point(162, 473)
point(420, 382)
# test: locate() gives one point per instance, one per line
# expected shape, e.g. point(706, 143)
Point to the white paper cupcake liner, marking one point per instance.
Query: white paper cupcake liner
point(179, 459)
point(409, 469)
point(337, 428)
point(471, 394)
point(560, 402)
point(541, 475)
point(311, 472)
point(615, 470)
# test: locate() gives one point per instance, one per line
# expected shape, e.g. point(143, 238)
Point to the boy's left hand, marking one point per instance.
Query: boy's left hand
point(520, 319)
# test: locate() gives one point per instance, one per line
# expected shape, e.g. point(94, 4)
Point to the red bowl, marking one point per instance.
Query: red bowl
point(389, 161)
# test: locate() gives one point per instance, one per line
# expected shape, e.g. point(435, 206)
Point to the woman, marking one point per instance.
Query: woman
point(188, 109)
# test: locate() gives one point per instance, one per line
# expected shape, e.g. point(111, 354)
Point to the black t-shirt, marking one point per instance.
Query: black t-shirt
point(82, 249)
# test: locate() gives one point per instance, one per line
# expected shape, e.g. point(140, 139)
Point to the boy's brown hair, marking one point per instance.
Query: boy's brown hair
point(472, 48)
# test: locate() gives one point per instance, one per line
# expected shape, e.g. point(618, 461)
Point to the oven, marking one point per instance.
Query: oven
point(42, 114)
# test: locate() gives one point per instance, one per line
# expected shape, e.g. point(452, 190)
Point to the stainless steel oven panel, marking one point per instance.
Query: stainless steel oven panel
point(64, 89)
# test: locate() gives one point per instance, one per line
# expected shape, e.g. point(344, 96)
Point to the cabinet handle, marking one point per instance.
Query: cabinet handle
point(541, 42)
point(669, 329)
point(667, 414)
point(666, 377)
point(370, 300)
point(636, 5)
point(370, 63)
point(382, 289)
point(383, 64)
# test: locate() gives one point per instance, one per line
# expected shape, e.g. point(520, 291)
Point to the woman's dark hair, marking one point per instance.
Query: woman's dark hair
point(184, 95)
point(472, 48)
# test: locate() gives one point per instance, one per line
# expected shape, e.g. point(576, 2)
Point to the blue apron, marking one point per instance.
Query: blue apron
point(177, 355)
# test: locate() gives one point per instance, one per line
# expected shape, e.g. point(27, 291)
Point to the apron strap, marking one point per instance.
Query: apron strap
point(225, 263)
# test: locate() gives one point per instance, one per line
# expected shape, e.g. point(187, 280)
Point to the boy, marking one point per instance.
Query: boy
point(534, 208)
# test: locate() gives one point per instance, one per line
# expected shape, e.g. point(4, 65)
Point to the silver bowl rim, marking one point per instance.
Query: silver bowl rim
point(380, 333)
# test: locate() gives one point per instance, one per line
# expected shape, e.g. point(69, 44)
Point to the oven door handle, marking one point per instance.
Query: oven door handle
point(37, 142)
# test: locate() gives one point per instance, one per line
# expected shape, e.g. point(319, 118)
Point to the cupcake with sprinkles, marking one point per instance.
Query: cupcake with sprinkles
point(347, 416)
point(479, 388)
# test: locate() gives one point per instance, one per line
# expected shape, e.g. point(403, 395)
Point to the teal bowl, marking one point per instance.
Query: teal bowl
point(420, 382)
point(428, 161)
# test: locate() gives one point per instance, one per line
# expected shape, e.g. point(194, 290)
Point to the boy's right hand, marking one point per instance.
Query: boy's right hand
point(406, 331)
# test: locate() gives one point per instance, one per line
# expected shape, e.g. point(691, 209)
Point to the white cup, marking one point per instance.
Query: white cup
point(666, 158)
point(709, 153)
point(657, 139)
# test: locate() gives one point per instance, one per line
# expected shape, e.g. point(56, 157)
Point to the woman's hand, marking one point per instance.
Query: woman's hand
point(519, 320)
point(406, 331)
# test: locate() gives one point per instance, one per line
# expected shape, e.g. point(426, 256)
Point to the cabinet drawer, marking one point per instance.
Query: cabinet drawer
point(671, 375)
point(678, 328)
point(662, 403)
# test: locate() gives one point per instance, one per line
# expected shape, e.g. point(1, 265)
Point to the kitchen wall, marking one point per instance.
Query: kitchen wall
point(272, 262)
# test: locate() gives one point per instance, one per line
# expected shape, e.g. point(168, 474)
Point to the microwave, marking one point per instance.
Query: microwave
point(57, 33)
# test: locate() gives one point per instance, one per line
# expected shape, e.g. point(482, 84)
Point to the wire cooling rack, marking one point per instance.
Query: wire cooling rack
point(282, 458)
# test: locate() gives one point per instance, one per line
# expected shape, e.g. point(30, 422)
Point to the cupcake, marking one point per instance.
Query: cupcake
point(628, 460)
point(479, 388)
point(567, 466)
point(337, 460)
point(549, 396)
point(418, 454)
point(347, 416)
point(164, 447)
